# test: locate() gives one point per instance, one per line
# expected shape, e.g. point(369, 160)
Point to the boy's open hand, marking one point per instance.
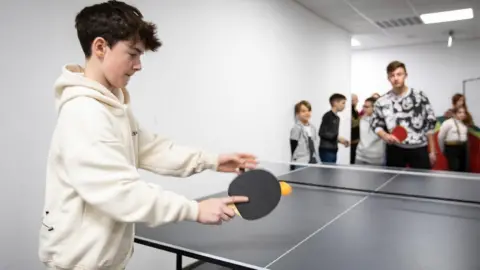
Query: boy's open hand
point(216, 210)
point(343, 141)
point(233, 162)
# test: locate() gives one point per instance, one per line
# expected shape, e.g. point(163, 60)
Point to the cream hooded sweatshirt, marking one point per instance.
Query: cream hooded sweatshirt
point(94, 193)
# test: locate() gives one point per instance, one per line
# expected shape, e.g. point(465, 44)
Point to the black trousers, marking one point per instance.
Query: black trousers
point(416, 158)
point(353, 152)
point(457, 157)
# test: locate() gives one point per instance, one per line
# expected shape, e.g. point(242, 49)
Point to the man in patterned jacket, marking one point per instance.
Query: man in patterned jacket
point(411, 109)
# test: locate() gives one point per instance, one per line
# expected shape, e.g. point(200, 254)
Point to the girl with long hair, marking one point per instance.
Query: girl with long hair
point(458, 101)
point(453, 140)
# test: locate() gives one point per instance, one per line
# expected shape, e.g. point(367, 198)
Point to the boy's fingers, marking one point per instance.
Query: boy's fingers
point(225, 217)
point(247, 156)
point(250, 165)
point(228, 211)
point(235, 199)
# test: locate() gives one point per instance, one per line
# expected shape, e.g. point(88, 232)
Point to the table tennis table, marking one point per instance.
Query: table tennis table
point(340, 218)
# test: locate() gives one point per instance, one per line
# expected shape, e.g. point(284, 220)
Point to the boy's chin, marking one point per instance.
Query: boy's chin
point(121, 84)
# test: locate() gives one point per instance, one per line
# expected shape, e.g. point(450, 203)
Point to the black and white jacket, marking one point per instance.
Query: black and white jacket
point(412, 110)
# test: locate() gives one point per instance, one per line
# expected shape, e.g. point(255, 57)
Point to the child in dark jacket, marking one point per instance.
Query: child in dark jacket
point(328, 132)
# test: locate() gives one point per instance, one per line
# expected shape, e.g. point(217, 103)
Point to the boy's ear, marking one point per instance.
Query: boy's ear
point(99, 47)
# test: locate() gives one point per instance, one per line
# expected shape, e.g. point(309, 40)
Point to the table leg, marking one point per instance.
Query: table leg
point(179, 262)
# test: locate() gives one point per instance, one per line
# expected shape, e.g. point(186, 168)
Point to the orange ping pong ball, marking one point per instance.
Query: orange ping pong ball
point(285, 188)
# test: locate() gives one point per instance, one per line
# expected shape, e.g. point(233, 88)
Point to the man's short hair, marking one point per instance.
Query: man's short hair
point(336, 97)
point(394, 65)
point(114, 21)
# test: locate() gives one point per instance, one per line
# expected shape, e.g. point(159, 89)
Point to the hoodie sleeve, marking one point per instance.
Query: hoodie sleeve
point(163, 156)
point(96, 165)
point(431, 119)
point(295, 134)
point(377, 121)
point(442, 134)
point(328, 130)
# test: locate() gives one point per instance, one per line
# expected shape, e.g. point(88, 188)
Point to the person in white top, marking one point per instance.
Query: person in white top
point(94, 193)
point(371, 148)
point(453, 140)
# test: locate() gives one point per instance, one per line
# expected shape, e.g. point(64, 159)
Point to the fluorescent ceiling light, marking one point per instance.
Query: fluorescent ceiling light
point(355, 43)
point(447, 16)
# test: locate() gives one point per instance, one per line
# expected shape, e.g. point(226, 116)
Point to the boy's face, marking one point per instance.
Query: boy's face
point(304, 114)
point(368, 108)
point(339, 105)
point(397, 78)
point(119, 62)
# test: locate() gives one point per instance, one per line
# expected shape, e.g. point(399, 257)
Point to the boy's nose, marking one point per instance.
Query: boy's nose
point(137, 67)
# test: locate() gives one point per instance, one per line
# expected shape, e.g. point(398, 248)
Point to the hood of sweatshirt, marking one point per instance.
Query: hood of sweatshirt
point(72, 84)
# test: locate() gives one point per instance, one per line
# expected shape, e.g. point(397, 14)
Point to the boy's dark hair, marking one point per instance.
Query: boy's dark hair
point(394, 65)
point(300, 104)
point(337, 97)
point(114, 21)
point(371, 100)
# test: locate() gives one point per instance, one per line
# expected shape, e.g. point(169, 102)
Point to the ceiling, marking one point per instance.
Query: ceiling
point(360, 17)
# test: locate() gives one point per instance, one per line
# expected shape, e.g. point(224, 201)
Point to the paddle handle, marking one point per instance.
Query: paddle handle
point(231, 205)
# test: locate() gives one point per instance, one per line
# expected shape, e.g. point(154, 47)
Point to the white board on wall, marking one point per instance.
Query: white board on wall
point(472, 96)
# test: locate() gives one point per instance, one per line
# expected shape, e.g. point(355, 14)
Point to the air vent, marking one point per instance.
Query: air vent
point(402, 22)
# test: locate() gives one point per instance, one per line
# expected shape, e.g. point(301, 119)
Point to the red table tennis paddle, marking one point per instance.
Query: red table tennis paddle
point(400, 133)
point(262, 189)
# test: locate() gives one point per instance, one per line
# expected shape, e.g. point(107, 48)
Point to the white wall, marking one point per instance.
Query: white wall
point(266, 54)
point(434, 68)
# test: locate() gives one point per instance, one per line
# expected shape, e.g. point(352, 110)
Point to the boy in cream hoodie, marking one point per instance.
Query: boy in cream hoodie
point(94, 193)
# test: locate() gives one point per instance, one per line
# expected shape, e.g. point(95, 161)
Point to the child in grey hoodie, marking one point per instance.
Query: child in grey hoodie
point(371, 148)
point(304, 139)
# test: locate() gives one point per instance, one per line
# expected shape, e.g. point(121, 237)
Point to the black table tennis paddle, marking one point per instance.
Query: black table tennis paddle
point(262, 189)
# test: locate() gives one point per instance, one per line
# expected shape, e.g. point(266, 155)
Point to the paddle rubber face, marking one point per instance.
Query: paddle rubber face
point(262, 189)
point(400, 132)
